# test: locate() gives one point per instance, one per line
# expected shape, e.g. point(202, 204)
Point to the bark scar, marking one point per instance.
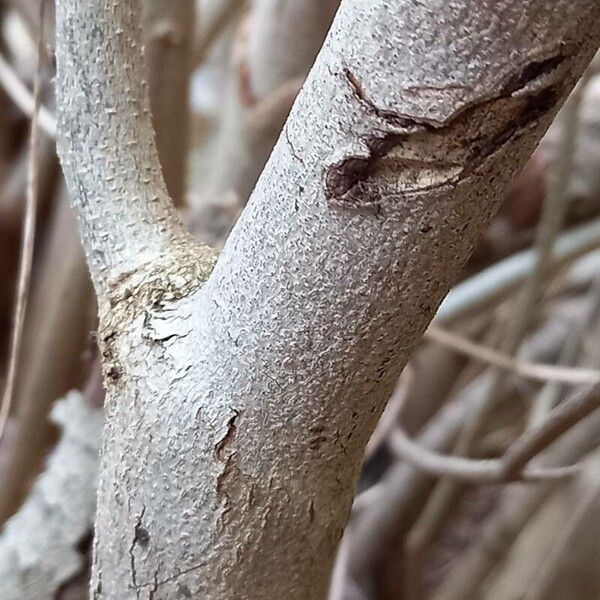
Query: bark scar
point(406, 156)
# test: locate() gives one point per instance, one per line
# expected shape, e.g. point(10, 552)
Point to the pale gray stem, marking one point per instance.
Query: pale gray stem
point(38, 546)
point(107, 144)
point(238, 411)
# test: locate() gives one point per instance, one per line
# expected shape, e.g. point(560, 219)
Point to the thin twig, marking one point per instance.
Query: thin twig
point(227, 12)
point(18, 92)
point(558, 421)
point(468, 469)
point(494, 284)
point(513, 465)
point(537, 371)
point(549, 396)
point(27, 239)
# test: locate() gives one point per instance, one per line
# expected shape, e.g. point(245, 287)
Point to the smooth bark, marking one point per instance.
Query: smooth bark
point(238, 410)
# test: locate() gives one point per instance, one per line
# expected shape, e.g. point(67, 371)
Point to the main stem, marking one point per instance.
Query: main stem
point(238, 410)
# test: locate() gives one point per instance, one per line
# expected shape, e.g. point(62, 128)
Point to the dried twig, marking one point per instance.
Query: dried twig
point(550, 394)
point(59, 319)
point(19, 93)
point(513, 465)
point(467, 469)
point(227, 12)
point(27, 240)
point(540, 372)
point(480, 292)
point(559, 420)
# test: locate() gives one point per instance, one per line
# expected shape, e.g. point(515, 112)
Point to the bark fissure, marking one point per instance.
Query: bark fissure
point(136, 540)
point(389, 147)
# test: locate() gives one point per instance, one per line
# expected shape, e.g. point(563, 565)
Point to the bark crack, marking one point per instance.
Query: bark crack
point(141, 537)
point(413, 156)
point(229, 436)
point(390, 116)
point(291, 147)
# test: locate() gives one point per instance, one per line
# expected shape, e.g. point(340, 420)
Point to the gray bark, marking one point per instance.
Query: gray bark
point(38, 546)
point(238, 409)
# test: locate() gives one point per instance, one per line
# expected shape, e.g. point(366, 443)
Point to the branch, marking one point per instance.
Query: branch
point(517, 505)
point(468, 469)
point(106, 142)
point(17, 91)
point(556, 423)
point(59, 320)
point(513, 465)
point(260, 388)
point(498, 281)
point(540, 372)
point(27, 242)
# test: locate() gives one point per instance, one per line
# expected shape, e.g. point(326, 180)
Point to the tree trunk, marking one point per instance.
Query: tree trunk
point(238, 409)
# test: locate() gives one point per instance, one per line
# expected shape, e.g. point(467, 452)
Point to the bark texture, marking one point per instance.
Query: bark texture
point(38, 546)
point(238, 409)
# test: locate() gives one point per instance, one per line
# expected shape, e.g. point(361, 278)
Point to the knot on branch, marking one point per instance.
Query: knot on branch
point(173, 276)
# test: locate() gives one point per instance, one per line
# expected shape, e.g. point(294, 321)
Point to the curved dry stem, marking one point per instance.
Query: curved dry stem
point(537, 371)
point(494, 284)
point(551, 393)
point(513, 465)
point(558, 421)
point(467, 469)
